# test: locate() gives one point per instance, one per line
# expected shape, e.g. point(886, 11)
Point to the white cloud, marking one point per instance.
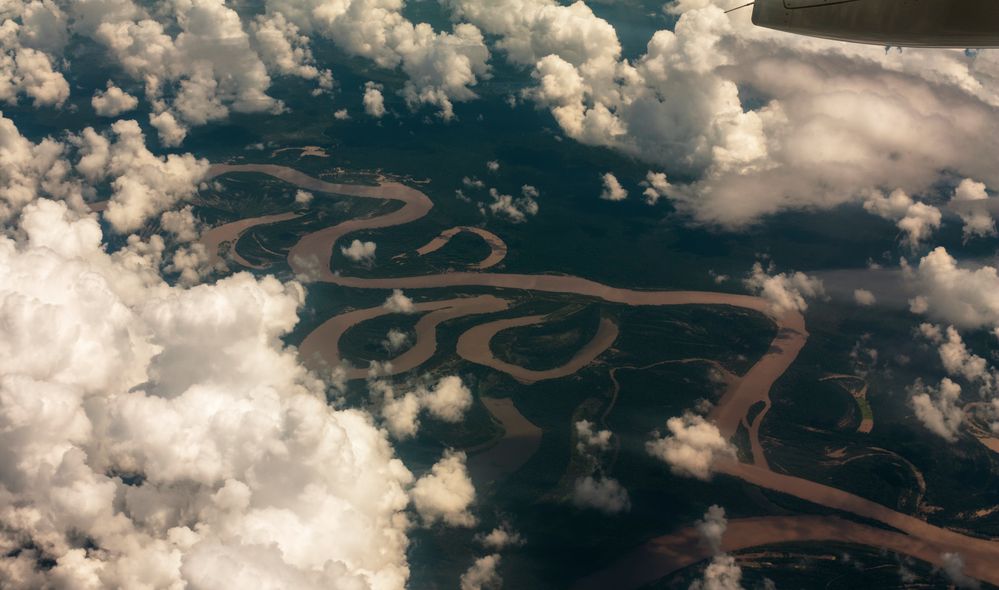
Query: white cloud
point(978, 224)
point(722, 573)
point(589, 438)
point(170, 131)
point(493, 165)
point(441, 67)
point(195, 58)
point(613, 191)
point(395, 340)
point(917, 220)
point(937, 407)
point(500, 538)
point(341, 115)
point(446, 493)
point(28, 169)
point(657, 187)
point(864, 298)
point(784, 292)
point(532, 29)
point(400, 413)
point(113, 101)
point(43, 25)
point(969, 190)
point(181, 223)
point(107, 370)
point(977, 221)
point(515, 209)
point(691, 447)
point(447, 400)
point(286, 51)
point(397, 302)
point(374, 102)
point(143, 184)
point(834, 120)
point(954, 568)
point(605, 494)
point(304, 198)
point(964, 297)
point(712, 527)
point(27, 70)
point(482, 575)
point(358, 251)
point(957, 359)
point(192, 264)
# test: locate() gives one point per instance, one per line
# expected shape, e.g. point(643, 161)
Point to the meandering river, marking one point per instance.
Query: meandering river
point(312, 256)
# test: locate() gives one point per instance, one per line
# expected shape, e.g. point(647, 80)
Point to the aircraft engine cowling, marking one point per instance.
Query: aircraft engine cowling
point(903, 23)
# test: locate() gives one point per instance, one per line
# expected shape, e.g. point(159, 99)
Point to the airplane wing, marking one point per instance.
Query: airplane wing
point(902, 23)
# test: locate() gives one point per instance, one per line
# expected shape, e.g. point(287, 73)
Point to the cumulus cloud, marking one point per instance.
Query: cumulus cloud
point(954, 568)
point(199, 60)
point(515, 209)
point(604, 494)
point(28, 170)
point(192, 264)
point(722, 573)
point(182, 224)
point(828, 123)
point(447, 400)
point(864, 298)
point(957, 359)
point(446, 493)
point(195, 58)
point(712, 527)
point(969, 190)
point(397, 302)
point(43, 24)
point(500, 538)
point(482, 575)
point(964, 297)
point(374, 102)
point(937, 409)
point(113, 101)
point(785, 292)
point(27, 70)
point(401, 413)
point(171, 132)
point(657, 186)
point(152, 432)
point(591, 439)
point(917, 220)
point(441, 67)
point(360, 252)
point(304, 198)
point(395, 340)
point(978, 222)
point(691, 447)
point(286, 51)
point(613, 191)
point(142, 185)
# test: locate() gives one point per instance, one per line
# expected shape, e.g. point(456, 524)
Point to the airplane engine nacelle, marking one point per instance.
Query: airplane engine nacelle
point(903, 23)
